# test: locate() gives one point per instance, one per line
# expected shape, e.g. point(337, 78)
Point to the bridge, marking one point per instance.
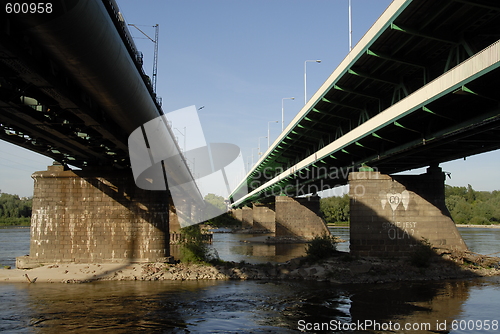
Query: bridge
point(416, 91)
point(72, 88)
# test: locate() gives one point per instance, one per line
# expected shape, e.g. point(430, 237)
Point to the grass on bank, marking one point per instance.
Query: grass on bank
point(321, 247)
point(194, 248)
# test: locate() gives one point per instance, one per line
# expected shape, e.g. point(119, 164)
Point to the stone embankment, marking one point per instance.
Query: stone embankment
point(339, 269)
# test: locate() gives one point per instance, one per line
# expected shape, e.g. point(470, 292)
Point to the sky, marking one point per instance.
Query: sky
point(238, 59)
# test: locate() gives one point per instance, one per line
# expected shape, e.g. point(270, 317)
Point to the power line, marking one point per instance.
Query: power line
point(155, 56)
point(17, 156)
point(17, 167)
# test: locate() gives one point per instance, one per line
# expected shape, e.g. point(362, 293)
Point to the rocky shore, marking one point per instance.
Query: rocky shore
point(341, 268)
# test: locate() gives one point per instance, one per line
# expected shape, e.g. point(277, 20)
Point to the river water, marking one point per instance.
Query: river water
point(451, 306)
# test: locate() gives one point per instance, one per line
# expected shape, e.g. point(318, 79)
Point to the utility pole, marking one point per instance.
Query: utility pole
point(155, 56)
point(350, 26)
point(155, 59)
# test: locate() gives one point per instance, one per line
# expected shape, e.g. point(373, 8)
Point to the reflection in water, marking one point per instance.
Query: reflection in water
point(240, 247)
point(237, 306)
point(482, 240)
point(411, 303)
point(248, 306)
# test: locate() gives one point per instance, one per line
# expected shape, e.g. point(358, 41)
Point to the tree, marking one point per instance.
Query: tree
point(14, 210)
point(220, 217)
point(217, 201)
point(335, 209)
point(468, 206)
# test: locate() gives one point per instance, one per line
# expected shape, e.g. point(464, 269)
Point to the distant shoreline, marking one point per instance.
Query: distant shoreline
point(14, 226)
point(458, 225)
point(478, 226)
point(330, 226)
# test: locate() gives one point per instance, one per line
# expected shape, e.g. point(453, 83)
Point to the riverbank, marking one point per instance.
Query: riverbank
point(478, 226)
point(458, 225)
point(339, 269)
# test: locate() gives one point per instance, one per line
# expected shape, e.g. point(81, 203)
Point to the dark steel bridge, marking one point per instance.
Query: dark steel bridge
point(72, 85)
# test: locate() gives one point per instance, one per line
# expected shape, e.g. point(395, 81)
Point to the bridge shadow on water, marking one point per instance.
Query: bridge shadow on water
point(236, 307)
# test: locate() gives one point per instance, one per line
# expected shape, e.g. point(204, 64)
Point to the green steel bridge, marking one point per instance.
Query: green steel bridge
point(419, 89)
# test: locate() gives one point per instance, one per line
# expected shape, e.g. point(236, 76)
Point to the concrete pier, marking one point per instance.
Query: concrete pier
point(390, 215)
point(286, 217)
point(264, 216)
point(246, 217)
point(96, 217)
point(299, 217)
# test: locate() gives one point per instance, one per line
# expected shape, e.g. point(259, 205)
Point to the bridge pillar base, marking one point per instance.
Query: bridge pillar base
point(390, 215)
point(298, 217)
point(244, 215)
point(237, 214)
point(173, 220)
point(264, 216)
point(96, 217)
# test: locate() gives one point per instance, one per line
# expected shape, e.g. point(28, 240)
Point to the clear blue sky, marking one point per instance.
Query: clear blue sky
point(238, 59)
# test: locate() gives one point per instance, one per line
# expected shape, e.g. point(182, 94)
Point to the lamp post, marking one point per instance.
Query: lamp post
point(254, 148)
point(283, 112)
point(350, 26)
point(305, 77)
point(268, 144)
point(184, 135)
point(259, 153)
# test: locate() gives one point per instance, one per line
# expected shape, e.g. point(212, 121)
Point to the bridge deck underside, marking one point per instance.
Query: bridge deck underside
point(425, 40)
point(75, 102)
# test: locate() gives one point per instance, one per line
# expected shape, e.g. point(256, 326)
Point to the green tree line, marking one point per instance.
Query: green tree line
point(466, 206)
point(14, 210)
point(335, 209)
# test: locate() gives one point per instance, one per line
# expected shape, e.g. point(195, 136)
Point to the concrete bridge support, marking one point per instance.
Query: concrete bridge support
point(286, 217)
point(246, 217)
point(264, 216)
point(298, 217)
point(390, 215)
point(96, 216)
point(173, 221)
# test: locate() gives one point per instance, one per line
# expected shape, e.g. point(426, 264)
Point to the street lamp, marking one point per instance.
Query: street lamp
point(254, 148)
point(268, 132)
point(184, 135)
point(305, 77)
point(283, 112)
point(259, 153)
point(350, 27)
